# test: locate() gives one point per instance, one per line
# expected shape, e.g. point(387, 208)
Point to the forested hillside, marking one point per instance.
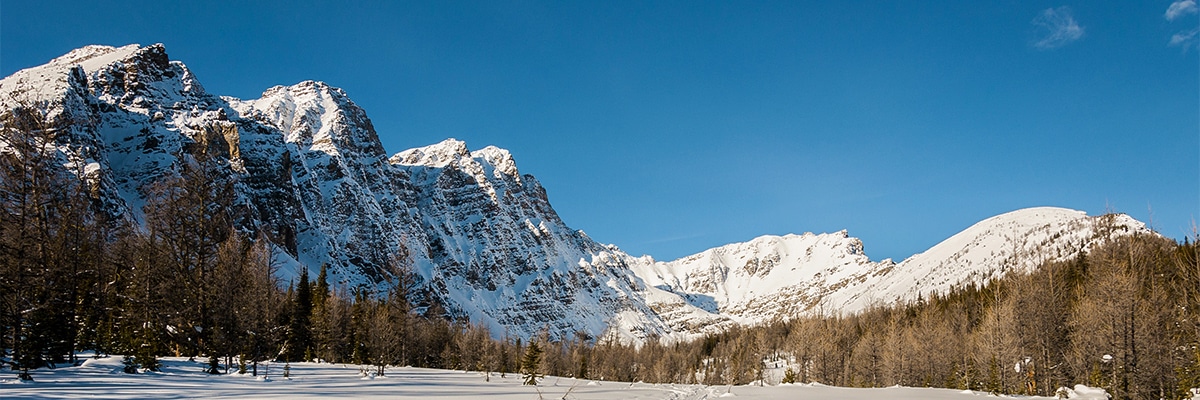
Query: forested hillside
point(1123, 317)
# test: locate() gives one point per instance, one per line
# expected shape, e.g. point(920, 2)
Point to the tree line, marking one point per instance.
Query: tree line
point(1123, 317)
point(195, 280)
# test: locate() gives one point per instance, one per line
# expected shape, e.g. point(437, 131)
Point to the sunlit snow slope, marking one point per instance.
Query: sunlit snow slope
point(783, 276)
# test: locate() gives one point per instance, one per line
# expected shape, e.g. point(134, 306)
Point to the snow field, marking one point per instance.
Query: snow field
point(102, 379)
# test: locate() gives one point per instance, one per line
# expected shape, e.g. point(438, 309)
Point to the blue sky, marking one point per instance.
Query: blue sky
point(670, 127)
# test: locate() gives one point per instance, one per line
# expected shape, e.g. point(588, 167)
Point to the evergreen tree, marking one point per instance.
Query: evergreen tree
point(503, 359)
point(359, 327)
point(789, 376)
point(531, 364)
point(320, 329)
point(214, 365)
point(321, 290)
point(130, 366)
point(299, 343)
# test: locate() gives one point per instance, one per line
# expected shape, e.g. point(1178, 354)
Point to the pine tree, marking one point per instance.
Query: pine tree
point(142, 291)
point(789, 376)
point(321, 291)
point(359, 326)
point(214, 365)
point(299, 331)
point(531, 364)
point(147, 355)
point(503, 358)
point(130, 366)
point(323, 332)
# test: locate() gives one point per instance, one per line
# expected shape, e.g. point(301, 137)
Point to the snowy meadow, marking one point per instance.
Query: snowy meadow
point(102, 378)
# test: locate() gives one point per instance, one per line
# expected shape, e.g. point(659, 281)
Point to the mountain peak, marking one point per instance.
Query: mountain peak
point(435, 155)
point(499, 158)
point(1016, 241)
point(1032, 213)
point(495, 161)
point(1026, 223)
point(93, 57)
point(309, 87)
point(316, 114)
point(98, 54)
point(49, 81)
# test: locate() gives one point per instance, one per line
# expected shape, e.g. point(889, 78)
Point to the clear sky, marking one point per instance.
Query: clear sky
point(667, 128)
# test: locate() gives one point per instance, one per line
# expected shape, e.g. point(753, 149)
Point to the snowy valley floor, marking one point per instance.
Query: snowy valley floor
point(181, 379)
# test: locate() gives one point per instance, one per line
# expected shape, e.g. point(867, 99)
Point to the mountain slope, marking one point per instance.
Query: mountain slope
point(311, 175)
point(781, 276)
point(481, 237)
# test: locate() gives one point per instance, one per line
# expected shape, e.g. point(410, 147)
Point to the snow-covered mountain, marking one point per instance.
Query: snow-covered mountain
point(781, 276)
point(482, 238)
point(311, 173)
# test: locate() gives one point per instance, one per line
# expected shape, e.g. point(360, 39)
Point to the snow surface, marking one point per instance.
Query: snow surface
point(47, 82)
point(102, 379)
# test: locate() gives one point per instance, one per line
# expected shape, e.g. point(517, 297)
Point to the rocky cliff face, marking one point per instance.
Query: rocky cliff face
point(482, 238)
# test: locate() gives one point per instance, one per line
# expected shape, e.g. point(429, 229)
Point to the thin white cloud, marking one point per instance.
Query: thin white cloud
point(1184, 39)
point(1056, 27)
point(1180, 8)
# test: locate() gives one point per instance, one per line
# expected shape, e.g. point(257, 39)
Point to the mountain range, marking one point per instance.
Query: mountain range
point(482, 239)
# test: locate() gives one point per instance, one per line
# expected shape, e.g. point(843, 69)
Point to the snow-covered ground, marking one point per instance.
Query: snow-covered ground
point(103, 379)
